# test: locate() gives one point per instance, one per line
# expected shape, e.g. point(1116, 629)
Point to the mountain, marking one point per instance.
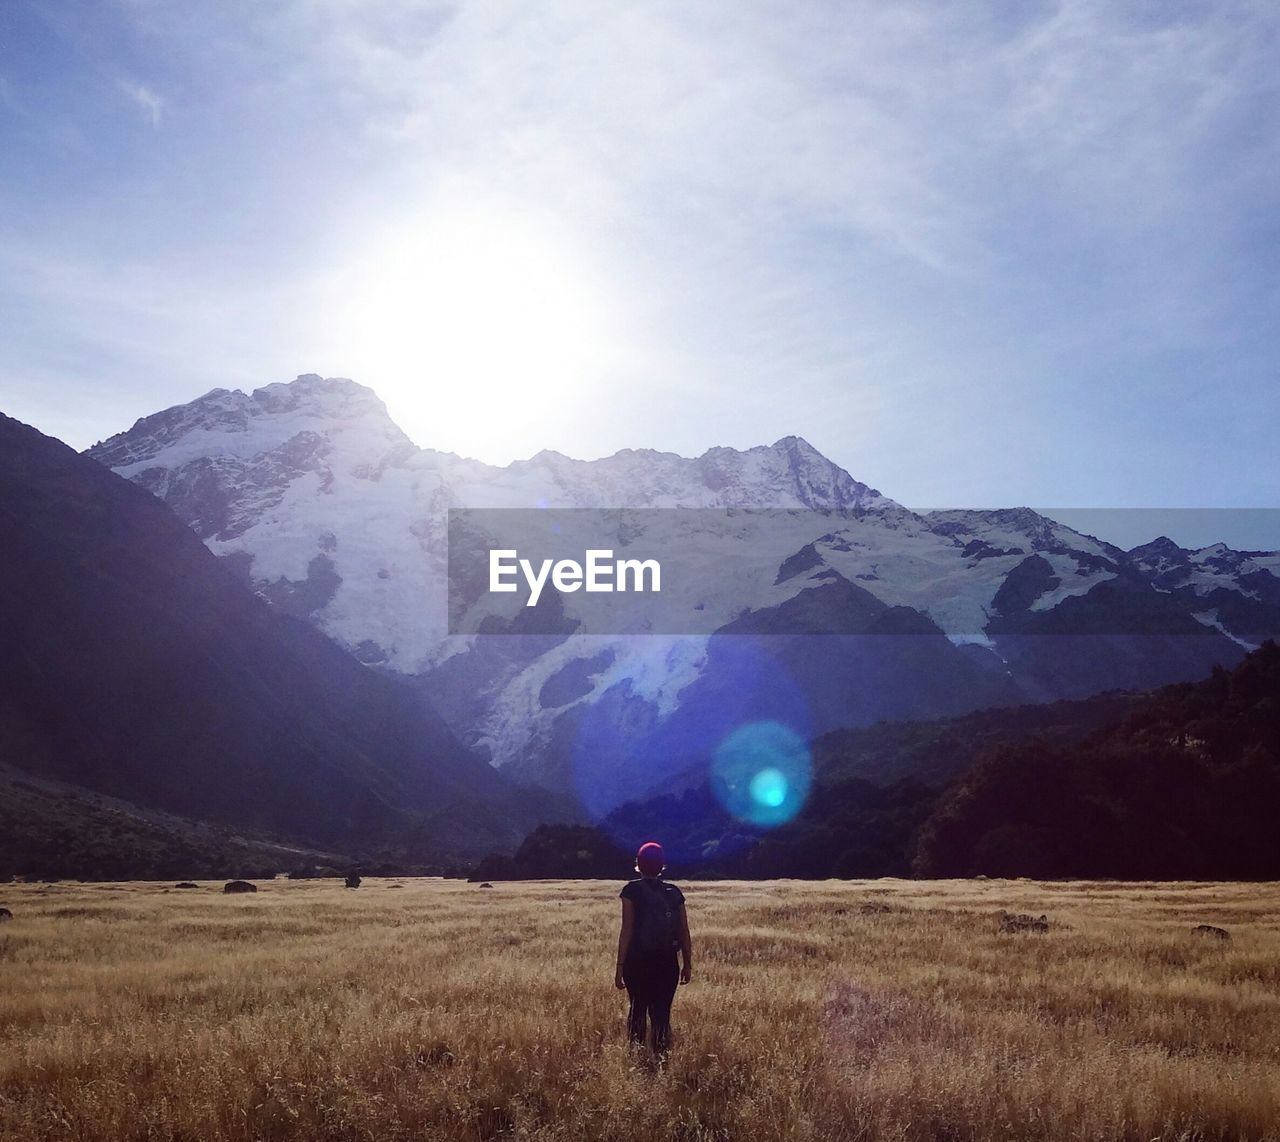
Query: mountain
point(311, 494)
point(138, 666)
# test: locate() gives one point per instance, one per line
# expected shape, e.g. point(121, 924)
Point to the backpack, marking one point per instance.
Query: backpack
point(658, 919)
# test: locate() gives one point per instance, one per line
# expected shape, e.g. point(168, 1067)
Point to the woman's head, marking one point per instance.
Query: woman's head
point(650, 860)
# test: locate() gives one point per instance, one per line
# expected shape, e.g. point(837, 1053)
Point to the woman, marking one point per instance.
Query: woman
point(654, 926)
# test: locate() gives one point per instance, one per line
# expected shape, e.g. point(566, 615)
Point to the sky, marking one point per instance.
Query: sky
point(980, 254)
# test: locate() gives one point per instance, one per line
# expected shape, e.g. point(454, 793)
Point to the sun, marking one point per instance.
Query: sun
point(475, 326)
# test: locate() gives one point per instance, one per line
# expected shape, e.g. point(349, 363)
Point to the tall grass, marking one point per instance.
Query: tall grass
point(436, 1009)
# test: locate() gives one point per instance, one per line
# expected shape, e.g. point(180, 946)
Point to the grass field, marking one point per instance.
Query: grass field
point(437, 1009)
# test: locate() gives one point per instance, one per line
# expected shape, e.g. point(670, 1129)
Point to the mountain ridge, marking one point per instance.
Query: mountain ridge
point(316, 499)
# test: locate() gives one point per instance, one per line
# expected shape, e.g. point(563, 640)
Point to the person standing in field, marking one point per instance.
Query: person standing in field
point(654, 929)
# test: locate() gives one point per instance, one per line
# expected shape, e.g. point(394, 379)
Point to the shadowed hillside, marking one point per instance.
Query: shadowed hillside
point(1187, 785)
point(137, 666)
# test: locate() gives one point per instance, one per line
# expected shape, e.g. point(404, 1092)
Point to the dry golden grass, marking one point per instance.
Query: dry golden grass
point(436, 1009)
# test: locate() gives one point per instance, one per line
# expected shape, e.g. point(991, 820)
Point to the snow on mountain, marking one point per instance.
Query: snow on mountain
point(790, 473)
point(331, 512)
point(1205, 569)
point(229, 423)
point(1235, 592)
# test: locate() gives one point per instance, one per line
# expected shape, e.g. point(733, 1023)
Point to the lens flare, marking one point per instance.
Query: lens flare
point(761, 773)
point(633, 743)
point(769, 788)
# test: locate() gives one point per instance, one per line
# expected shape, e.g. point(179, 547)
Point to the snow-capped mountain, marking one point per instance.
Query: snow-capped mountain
point(331, 512)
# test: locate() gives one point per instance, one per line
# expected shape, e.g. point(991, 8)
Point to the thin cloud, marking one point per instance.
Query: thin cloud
point(151, 105)
point(994, 235)
point(911, 126)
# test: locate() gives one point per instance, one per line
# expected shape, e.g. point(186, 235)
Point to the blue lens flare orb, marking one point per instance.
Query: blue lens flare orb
point(769, 788)
point(761, 773)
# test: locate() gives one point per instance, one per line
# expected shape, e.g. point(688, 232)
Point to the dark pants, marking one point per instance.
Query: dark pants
point(651, 985)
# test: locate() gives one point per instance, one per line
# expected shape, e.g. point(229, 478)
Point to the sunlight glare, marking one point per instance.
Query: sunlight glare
point(476, 328)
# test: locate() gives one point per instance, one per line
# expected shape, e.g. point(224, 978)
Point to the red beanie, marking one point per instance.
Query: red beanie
point(649, 860)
